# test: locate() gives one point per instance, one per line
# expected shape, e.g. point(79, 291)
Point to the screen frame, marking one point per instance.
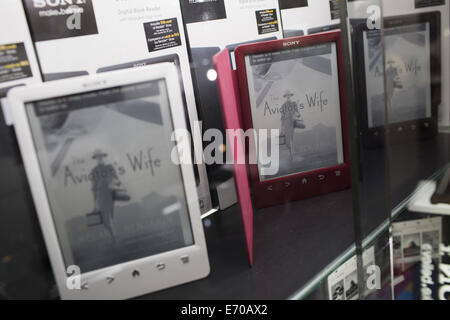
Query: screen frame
point(407, 130)
point(319, 181)
point(96, 284)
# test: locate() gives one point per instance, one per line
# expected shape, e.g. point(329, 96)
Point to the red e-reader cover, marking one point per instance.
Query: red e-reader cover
point(229, 93)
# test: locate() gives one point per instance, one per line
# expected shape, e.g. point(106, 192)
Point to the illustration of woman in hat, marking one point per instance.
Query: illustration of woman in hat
point(289, 117)
point(104, 185)
point(393, 82)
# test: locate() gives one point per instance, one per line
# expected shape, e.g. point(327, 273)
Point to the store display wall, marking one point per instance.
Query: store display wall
point(397, 151)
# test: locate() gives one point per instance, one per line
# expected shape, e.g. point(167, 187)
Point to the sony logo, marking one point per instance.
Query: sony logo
point(291, 43)
point(142, 64)
point(56, 3)
point(94, 84)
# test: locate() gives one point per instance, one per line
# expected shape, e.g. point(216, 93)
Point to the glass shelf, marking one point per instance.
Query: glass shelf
point(399, 211)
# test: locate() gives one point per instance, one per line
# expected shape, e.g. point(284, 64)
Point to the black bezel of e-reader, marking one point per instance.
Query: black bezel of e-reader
point(402, 131)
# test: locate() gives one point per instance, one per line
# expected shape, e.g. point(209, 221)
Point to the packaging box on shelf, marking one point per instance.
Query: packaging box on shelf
point(359, 9)
point(403, 7)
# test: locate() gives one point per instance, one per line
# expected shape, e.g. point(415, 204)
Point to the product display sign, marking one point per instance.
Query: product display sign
point(413, 76)
point(112, 198)
point(442, 194)
point(334, 9)
point(293, 87)
point(127, 33)
point(229, 97)
point(18, 64)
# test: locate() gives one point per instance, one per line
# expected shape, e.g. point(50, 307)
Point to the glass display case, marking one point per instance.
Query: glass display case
point(398, 54)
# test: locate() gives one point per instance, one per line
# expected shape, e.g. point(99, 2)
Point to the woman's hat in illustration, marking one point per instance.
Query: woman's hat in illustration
point(288, 94)
point(99, 154)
